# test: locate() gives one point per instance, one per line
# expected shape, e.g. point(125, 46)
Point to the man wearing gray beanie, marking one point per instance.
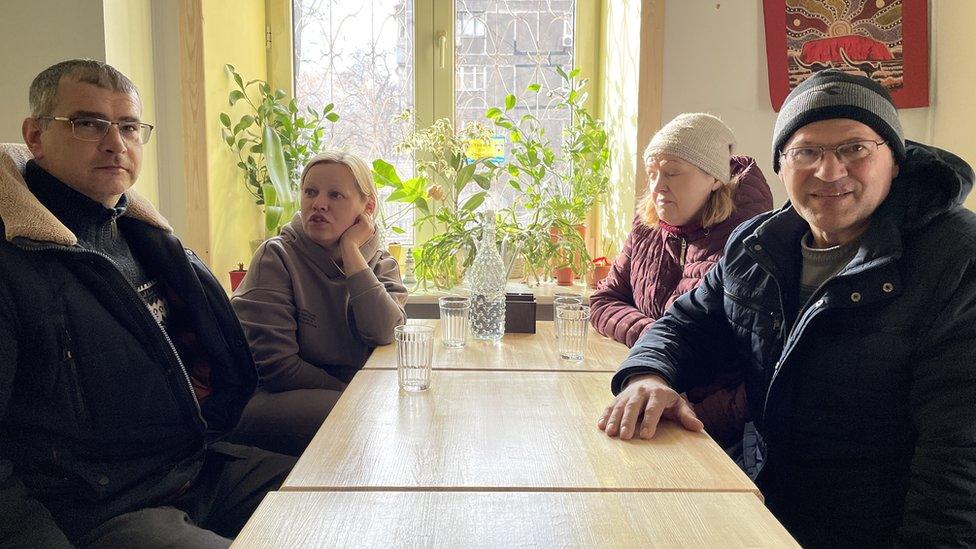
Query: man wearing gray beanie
point(851, 314)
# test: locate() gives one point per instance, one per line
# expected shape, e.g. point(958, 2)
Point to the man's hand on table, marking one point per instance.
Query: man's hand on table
point(641, 405)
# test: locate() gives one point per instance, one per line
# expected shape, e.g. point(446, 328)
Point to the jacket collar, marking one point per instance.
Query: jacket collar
point(24, 216)
point(317, 253)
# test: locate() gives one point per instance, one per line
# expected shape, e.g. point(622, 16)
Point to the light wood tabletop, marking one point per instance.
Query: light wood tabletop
point(500, 430)
point(530, 352)
point(512, 519)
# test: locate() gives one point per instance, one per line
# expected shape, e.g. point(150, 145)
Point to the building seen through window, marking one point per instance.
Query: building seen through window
point(361, 57)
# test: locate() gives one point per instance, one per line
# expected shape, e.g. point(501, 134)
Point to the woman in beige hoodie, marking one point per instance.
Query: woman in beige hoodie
point(314, 303)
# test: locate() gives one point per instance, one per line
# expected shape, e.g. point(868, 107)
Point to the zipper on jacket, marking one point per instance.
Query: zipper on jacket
point(144, 310)
point(774, 318)
point(684, 252)
point(788, 346)
point(68, 361)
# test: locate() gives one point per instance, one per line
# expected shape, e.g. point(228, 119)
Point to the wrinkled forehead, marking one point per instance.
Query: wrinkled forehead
point(74, 95)
point(660, 161)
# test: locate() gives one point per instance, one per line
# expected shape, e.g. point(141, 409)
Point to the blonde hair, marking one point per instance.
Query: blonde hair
point(360, 171)
point(717, 208)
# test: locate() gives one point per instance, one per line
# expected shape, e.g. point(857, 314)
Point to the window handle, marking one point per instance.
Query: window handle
point(442, 43)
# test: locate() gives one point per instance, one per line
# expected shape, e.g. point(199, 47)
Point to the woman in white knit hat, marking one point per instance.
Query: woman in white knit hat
point(698, 192)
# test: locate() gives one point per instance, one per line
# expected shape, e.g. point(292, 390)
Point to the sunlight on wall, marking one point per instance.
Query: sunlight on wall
point(620, 69)
point(233, 33)
point(954, 74)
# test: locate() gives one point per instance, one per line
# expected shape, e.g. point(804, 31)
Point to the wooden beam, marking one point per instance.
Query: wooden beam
point(651, 79)
point(196, 179)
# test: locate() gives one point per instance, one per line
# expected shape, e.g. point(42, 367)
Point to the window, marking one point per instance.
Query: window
point(361, 56)
point(470, 25)
point(472, 78)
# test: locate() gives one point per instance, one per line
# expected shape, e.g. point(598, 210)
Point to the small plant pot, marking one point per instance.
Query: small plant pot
point(564, 276)
point(236, 276)
point(597, 274)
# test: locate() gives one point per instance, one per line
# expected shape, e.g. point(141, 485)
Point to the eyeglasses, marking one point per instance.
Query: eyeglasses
point(94, 129)
point(801, 158)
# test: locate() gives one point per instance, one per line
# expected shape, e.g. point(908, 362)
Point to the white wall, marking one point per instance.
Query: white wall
point(715, 61)
point(35, 34)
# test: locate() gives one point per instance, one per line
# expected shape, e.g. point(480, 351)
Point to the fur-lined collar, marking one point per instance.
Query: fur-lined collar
point(25, 217)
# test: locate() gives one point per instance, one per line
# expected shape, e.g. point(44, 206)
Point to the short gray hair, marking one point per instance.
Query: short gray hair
point(44, 88)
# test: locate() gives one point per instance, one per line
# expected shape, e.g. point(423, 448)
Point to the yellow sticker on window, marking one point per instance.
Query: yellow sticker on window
point(492, 149)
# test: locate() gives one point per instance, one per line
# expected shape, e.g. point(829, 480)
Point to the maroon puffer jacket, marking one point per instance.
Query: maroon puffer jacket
point(650, 273)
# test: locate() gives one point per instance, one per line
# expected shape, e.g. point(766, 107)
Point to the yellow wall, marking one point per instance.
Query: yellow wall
point(128, 47)
point(954, 77)
point(233, 32)
point(619, 71)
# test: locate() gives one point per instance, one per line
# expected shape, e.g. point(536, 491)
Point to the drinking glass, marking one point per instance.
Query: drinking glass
point(560, 299)
point(571, 327)
point(414, 350)
point(454, 320)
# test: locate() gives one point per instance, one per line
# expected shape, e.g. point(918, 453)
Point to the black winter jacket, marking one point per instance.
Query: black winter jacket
point(97, 415)
point(867, 400)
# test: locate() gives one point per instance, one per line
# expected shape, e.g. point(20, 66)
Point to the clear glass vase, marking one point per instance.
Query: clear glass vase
point(486, 279)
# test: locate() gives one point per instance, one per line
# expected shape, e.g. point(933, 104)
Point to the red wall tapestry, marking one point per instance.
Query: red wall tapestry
point(886, 40)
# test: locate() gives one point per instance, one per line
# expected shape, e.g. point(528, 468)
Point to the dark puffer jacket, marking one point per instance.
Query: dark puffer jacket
point(866, 399)
point(656, 267)
point(97, 416)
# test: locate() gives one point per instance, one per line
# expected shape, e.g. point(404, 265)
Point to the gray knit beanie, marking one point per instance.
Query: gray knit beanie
point(699, 139)
point(834, 94)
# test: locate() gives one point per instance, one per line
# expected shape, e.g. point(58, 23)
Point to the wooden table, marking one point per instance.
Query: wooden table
point(500, 430)
point(526, 352)
point(511, 519)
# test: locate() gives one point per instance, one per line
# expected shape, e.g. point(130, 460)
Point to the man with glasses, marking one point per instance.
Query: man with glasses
point(121, 362)
point(851, 314)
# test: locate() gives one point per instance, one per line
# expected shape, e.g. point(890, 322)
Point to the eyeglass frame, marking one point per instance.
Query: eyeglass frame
point(823, 152)
point(148, 128)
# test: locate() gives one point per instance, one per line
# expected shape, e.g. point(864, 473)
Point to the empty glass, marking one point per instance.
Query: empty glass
point(414, 350)
point(573, 322)
point(560, 299)
point(454, 320)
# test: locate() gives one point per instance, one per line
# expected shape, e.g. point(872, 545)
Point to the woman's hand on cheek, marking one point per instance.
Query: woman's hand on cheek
point(359, 232)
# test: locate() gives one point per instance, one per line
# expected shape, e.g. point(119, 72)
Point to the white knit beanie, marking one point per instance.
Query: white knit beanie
point(699, 139)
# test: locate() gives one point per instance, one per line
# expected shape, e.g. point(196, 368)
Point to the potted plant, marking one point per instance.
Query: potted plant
point(272, 142)
point(555, 191)
point(447, 191)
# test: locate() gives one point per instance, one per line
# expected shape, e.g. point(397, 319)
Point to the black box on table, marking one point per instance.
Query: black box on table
point(519, 313)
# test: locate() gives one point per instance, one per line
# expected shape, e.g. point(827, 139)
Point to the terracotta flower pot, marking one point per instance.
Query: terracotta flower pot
point(598, 273)
point(564, 276)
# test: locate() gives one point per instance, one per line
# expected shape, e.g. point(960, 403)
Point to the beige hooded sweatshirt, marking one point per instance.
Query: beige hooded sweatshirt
point(310, 326)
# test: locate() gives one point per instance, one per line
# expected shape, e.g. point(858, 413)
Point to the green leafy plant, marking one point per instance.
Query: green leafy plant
point(555, 191)
point(272, 142)
point(447, 191)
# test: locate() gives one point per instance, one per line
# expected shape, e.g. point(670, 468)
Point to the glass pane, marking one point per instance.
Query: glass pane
point(502, 46)
point(360, 56)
